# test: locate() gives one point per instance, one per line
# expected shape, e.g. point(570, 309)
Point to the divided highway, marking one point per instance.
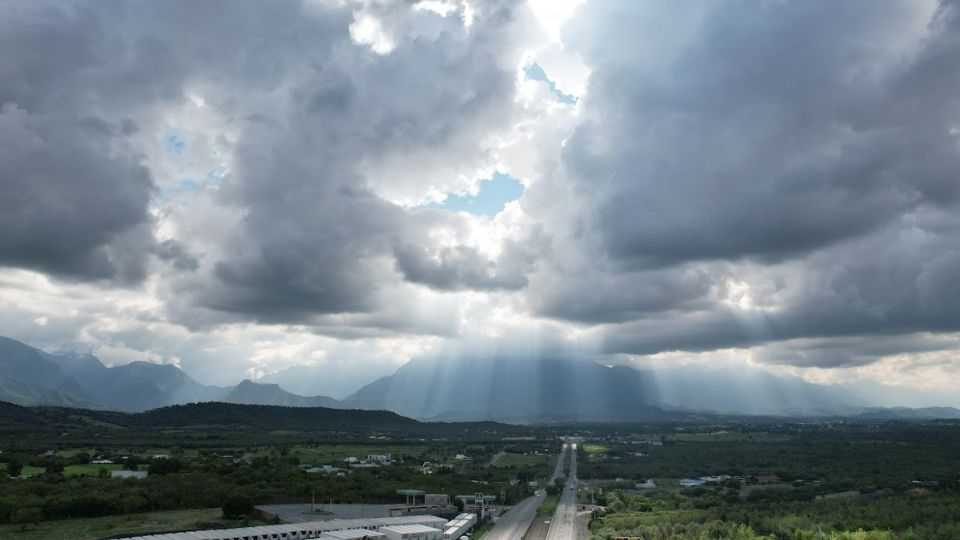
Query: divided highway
point(514, 523)
point(563, 526)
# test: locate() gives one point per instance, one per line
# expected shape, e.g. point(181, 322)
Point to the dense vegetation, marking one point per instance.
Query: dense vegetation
point(845, 456)
point(200, 421)
point(852, 480)
point(781, 513)
point(214, 454)
point(208, 480)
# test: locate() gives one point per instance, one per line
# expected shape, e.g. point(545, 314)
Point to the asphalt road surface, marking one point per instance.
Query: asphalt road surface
point(563, 526)
point(513, 524)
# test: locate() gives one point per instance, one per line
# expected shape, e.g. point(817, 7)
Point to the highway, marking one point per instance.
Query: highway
point(513, 524)
point(564, 526)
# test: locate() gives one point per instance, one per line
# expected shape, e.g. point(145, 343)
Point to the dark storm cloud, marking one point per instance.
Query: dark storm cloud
point(453, 268)
point(176, 254)
point(75, 195)
point(618, 297)
point(775, 129)
point(70, 207)
point(805, 152)
point(854, 351)
point(900, 281)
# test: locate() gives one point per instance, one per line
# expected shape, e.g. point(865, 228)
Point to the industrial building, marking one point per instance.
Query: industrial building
point(139, 475)
point(411, 532)
point(387, 528)
point(428, 504)
point(353, 534)
point(459, 526)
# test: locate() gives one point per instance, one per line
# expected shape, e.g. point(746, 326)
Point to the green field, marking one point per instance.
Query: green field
point(524, 460)
point(70, 452)
point(591, 448)
point(549, 505)
point(89, 470)
point(27, 470)
point(93, 528)
point(731, 436)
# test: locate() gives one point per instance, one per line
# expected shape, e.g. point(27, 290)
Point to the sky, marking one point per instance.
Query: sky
point(240, 187)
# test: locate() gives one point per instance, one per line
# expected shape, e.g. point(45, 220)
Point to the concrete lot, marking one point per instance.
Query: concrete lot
point(299, 513)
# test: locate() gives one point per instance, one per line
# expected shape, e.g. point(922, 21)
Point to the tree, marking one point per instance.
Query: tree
point(14, 468)
point(26, 516)
point(160, 467)
point(132, 503)
point(237, 506)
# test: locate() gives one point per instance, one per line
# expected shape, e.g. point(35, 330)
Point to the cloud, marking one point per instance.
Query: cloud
point(765, 134)
point(755, 173)
point(72, 205)
point(773, 177)
point(899, 281)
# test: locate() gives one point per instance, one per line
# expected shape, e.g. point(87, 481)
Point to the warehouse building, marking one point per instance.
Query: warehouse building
point(423, 528)
point(353, 534)
point(459, 526)
point(411, 532)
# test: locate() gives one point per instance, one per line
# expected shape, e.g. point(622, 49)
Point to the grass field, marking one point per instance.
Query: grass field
point(521, 460)
point(549, 505)
point(89, 470)
point(730, 436)
point(93, 528)
point(629, 520)
point(591, 448)
point(27, 471)
point(70, 452)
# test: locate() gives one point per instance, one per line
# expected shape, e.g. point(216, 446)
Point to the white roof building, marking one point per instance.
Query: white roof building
point(128, 474)
point(411, 532)
point(459, 526)
point(353, 534)
point(334, 529)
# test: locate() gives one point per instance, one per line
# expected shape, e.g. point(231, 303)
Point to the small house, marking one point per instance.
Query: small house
point(139, 475)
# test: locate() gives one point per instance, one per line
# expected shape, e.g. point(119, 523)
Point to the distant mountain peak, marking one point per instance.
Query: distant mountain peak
point(255, 393)
point(28, 377)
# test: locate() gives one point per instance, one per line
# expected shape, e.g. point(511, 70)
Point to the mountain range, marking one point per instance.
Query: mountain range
point(462, 389)
point(29, 376)
point(524, 389)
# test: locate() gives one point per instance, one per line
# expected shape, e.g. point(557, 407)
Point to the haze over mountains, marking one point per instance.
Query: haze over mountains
point(504, 389)
point(512, 389)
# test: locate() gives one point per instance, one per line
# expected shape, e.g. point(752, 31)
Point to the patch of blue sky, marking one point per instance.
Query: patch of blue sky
point(533, 72)
point(491, 198)
point(189, 185)
point(174, 144)
point(216, 174)
point(180, 186)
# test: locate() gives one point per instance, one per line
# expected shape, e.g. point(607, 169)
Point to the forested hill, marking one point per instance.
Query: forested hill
point(203, 419)
point(273, 417)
